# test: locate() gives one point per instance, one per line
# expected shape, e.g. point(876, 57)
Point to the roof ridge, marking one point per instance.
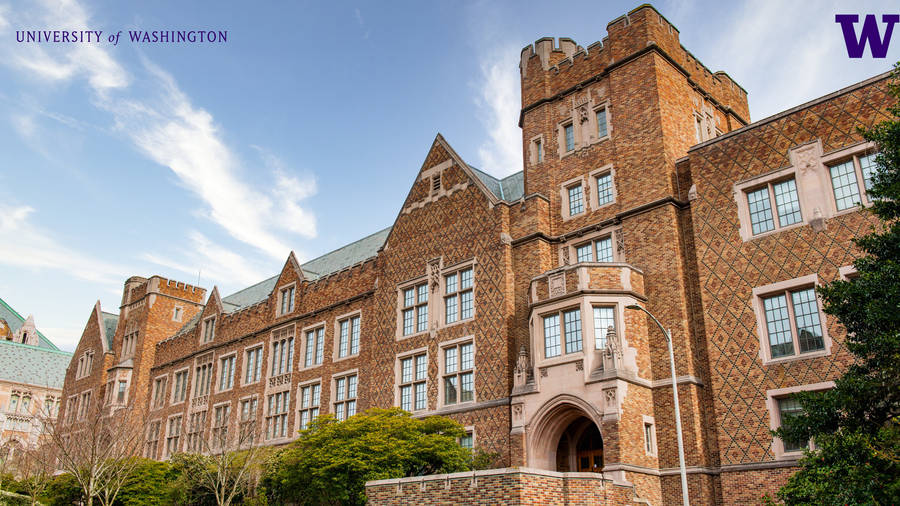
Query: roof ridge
point(249, 287)
point(346, 245)
point(40, 334)
point(33, 347)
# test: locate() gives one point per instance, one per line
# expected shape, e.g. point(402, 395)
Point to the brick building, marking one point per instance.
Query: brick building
point(501, 303)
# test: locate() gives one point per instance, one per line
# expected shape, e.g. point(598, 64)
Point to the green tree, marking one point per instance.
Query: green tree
point(148, 484)
point(856, 459)
point(331, 461)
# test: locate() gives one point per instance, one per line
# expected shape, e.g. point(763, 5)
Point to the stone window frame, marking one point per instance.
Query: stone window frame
point(398, 377)
point(205, 330)
point(155, 397)
point(760, 292)
point(772, 397)
point(119, 380)
point(594, 197)
point(82, 408)
point(255, 415)
point(177, 313)
point(442, 295)
point(286, 413)
point(345, 375)
point(470, 430)
point(560, 313)
point(564, 198)
point(650, 447)
point(852, 153)
point(198, 362)
point(259, 363)
point(414, 284)
point(129, 340)
point(167, 452)
point(196, 429)
point(157, 422)
point(595, 126)
point(572, 245)
point(299, 402)
point(187, 382)
point(442, 367)
point(85, 364)
point(71, 409)
point(336, 346)
point(561, 137)
point(213, 427)
point(742, 189)
point(279, 309)
point(847, 272)
point(537, 150)
point(287, 333)
point(313, 327)
point(232, 354)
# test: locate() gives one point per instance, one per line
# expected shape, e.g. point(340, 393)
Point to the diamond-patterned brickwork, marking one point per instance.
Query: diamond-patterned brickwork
point(730, 268)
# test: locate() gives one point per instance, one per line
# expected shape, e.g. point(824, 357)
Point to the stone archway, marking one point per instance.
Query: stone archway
point(561, 433)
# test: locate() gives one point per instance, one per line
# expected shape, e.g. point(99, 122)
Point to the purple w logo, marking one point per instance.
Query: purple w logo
point(855, 47)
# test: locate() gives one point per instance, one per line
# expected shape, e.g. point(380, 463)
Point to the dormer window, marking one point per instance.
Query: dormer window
point(286, 297)
point(209, 329)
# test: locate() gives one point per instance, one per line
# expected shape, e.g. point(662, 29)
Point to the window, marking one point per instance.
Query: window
point(570, 137)
point(845, 179)
point(315, 344)
point(789, 407)
point(787, 206)
point(435, 184)
point(202, 379)
point(539, 150)
point(459, 380)
point(159, 391)
point(226, 373)
point(287, 300)
point(415, 309)
point(413, 377)
point(209, 329)
point(181, 379)
point(176, 314)
point(152, 444)
point(604, 188)
point(602, 130)
point(195, 431)
point(345, 397)
point(120, 393)
point(128, 343)
point(84, 405)
point(51, 406)
point(220, 425)
point(467, 441)
point(85, 364)
point(792, 322)
point(348, 342)
point(576, 200)
point(13, 403)
point(602, 247)
point(604, 318)
point(248, 417)
point(698, 128)
point(276, 418)
point(309, 404)
point(173, 435)
point(253, 365)
point(282, 352)
point(649, 435)
point(71, 407)
point(109, 392)
point(458, 303)
point(571, 328)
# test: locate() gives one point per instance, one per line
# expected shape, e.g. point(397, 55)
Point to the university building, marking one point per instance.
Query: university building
point(502, 303)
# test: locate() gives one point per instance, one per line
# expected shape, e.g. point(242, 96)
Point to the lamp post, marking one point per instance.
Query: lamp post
point(684, 487)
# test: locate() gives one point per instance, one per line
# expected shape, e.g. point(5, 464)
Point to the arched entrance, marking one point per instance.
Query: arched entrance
point(564, 435)
point(580, 448)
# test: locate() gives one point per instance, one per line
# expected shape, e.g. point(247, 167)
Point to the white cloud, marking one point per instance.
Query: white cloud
point(167, 128)
point(26, 245)
point(210, 261)
point(24, 125)
point(498, 104)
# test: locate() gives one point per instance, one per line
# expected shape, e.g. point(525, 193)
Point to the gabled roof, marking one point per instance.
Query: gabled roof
point(15, 321)
point(33, 365)
point(509, 189)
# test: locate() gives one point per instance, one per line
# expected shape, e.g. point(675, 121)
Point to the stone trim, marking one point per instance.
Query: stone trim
point(681, 380)
point(772, 397)
point(488, 472)
point(762, 333)
point(464, 408)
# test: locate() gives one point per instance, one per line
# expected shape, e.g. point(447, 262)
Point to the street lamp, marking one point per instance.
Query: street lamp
point(684, 487)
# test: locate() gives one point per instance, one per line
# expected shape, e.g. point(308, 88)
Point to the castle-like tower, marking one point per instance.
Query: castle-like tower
point(503, 303)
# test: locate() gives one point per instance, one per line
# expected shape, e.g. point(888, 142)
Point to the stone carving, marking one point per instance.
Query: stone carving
point(818, 221)
point(517, 412)
point(565, 255)
point(434, 273)
point(806, 158)
point(579, 366)
point(583, 114)
point(692, 193)
point(613, 346)
point(523, 371)
point(620, 240)
point(543, 372)
point(610, 395)
point(557, 284)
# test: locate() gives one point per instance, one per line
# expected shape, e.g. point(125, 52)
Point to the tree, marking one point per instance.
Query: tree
point(331, 461)
point(856, 458)
point(35, 467)
point(225, 471)
point(98, 449)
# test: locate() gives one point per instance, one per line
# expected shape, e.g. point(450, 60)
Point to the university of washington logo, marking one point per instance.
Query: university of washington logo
point(870, 33)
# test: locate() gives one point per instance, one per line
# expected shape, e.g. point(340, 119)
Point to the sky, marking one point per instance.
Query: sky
point(209, 163)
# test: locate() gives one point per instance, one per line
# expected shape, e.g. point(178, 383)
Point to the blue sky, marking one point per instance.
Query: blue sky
point(304, 131)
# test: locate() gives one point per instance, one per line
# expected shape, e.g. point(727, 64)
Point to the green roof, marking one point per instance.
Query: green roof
point(110, 322)
point(510, 188)
point(33, 365)
point(15, 322)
